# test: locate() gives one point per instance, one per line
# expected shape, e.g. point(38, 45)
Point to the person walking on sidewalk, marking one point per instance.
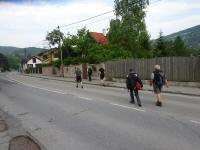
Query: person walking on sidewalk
point(89, 71)
point(134, 84)
point(78, 74)
point(102, 75)
point(158, 79)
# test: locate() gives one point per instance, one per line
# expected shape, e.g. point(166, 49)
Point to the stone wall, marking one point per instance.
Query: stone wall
point(51, 71)
point(70, 70)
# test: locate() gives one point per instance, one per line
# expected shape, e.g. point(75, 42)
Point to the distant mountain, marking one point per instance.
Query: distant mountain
point(191, 36)
point(7, 50)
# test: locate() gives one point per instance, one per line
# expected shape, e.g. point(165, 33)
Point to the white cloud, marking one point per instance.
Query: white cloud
point(171, 16)
point(26, 25)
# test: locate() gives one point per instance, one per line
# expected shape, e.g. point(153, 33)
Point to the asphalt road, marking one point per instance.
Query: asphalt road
point(62, 117)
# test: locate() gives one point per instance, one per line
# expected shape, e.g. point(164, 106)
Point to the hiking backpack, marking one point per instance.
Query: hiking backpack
point(89, 70)
point(159, 78)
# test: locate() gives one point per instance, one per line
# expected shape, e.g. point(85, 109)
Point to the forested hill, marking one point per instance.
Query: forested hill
point(7, 50)
point(191, 36)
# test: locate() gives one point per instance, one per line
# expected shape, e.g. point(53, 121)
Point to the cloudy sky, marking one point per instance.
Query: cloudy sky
point(25, 23)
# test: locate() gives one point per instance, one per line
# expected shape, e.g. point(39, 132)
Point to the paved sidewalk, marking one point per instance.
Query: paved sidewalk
point(13, 136)
point(193, 91)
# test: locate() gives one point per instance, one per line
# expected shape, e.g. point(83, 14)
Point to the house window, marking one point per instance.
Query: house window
point(55, 55)
point(34, 60)
point(30, 65)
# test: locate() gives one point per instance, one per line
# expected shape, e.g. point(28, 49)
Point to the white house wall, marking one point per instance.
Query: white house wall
point(30, 62)
point(24, 66)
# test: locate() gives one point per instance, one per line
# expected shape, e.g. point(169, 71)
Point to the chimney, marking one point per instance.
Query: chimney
point(104, 32)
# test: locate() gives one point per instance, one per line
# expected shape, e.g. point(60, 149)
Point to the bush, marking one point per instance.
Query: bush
point(56, 63)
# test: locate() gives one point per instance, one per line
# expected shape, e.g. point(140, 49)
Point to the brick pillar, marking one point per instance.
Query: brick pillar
point(84, 71)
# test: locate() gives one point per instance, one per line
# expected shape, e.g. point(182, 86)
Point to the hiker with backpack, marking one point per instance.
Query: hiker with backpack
point(158, 80)
point(78, 74)
point(89, 71)
point(102, 75)
point(134, 84)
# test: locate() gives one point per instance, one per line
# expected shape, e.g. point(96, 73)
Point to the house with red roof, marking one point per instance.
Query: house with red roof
point(100, 38)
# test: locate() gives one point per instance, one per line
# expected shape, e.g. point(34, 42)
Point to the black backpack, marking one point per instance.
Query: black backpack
point(159, 78)
point(132, 80)
point(89, 70)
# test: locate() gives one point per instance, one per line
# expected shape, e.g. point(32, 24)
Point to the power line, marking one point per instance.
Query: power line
point(97, 21)
point(63, 26)
point(87, 19)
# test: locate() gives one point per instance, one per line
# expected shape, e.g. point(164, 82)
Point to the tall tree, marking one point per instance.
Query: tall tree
point(80, 43)
point(162, 46)
point(114, 31)
point(54, 37)
point(132, 25)
point(179, 47)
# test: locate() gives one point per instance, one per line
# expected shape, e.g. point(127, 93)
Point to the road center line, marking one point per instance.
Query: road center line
point(85, 98)
point(55, 91)
point(142, 110)
point(193, 121)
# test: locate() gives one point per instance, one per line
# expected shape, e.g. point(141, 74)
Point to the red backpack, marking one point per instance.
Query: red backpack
point(138, 86)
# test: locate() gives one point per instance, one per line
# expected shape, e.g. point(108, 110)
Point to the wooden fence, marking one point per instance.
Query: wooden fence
point(175, 68)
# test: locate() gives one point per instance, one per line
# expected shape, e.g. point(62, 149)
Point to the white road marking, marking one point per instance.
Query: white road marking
point(193, 121)
point(55, 91)
point(142, 110)
point(85, 98)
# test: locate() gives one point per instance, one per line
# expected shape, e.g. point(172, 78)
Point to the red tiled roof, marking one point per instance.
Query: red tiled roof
point(99, 38)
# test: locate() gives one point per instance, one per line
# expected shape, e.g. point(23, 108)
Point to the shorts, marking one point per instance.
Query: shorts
point(78, 79)
point(157, 89)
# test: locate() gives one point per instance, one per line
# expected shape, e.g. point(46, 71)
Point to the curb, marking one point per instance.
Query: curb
point(114, 86)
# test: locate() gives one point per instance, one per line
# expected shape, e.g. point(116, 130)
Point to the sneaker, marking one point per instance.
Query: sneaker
point(159, 103)
point(132, 102)
point(77, 86)
point(140, 105)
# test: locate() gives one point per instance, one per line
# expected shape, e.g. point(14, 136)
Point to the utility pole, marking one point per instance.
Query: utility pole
point(25, 53)
point(61, 54)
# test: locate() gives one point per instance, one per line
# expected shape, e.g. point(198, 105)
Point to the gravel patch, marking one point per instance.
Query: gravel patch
point(23, 143)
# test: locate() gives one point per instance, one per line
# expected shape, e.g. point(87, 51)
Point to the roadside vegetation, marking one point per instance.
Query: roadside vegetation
point(4, 65)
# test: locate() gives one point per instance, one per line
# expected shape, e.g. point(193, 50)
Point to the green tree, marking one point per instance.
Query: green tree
point(54, 37)
point(14, 62)
point(79, 44)
point(114, 34)
point(195, 52)
point(163, 47)
point(67, 47)
point(131, 27)
point(98, 53)
point(4, 65)
point(179, 47)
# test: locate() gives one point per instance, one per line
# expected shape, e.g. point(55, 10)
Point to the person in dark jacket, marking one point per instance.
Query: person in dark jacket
point(131, 81)
point(89, 71)
point(102, 75)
